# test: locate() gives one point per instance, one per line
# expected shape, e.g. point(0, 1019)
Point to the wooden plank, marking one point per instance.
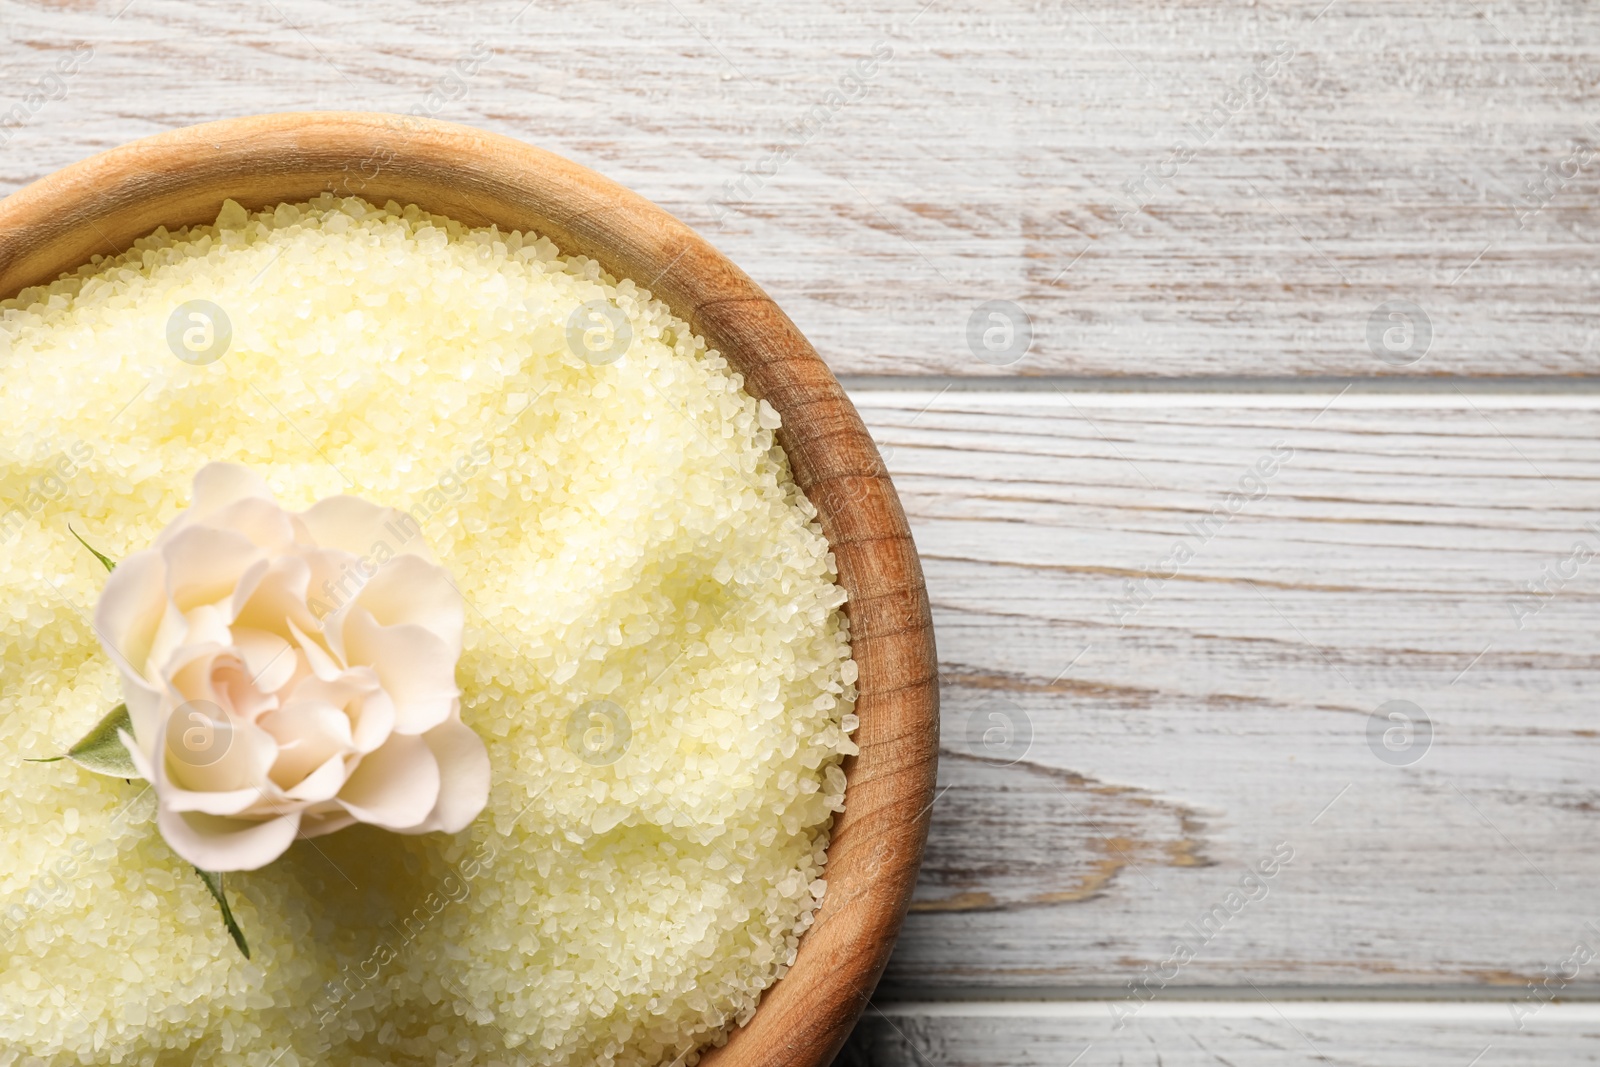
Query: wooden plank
point(885, 168)
point(1161, 755)
point(1232, 1034)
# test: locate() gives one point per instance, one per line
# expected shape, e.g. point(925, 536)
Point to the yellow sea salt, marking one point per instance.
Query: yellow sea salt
point(655, 653)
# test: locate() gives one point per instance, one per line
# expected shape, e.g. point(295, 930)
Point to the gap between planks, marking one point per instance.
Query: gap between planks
point(1025, 1000)
point(1451, 392)
point(1254, 1008)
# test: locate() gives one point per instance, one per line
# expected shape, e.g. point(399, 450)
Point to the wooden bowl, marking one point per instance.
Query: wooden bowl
point(99, 206)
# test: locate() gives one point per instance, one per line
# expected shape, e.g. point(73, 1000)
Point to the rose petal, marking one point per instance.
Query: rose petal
point(218, 843)
point(195, 679)
point(410, 591)
point(141, 760)
point(187, 647)
point(315, 824)
point(207, 756)
point(394, 787)
point(269, 598)
point(171, 638)
point(336, 578)
point(321, 784)
point(230, 802)
point(208, 624)
point(216, 486)
point(414, 666)
point(236, 689)
point(322, 664)
point(463, 776)
point(146, 709)
point(309, 732)
point(267, 656)
point(266, 524)
point(204, 565)
point(363, 529)
point(374, 721)
point(349, 685)
point(357, 693)
point(131, 607)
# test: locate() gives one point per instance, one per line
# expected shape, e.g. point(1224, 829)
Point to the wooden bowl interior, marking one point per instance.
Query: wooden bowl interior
point(99, 206)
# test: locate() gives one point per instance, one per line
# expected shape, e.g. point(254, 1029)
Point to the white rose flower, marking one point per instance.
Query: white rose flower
point(288, 675)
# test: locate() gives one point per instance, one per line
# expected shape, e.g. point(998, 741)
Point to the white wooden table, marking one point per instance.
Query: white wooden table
point(1305, 410)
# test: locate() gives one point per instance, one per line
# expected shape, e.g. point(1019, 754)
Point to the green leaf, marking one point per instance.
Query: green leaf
point(102, 751)
point(44, 759)
point(213, 881)
point(105, 561)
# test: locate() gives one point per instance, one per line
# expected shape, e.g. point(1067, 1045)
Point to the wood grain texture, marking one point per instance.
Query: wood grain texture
point(1020, 150)
point(1226, 1034)
point(183, 177)
point(1432, 153)
point(1159, 760)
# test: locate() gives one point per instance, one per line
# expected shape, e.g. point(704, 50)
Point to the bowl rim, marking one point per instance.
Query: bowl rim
point(100, 205)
